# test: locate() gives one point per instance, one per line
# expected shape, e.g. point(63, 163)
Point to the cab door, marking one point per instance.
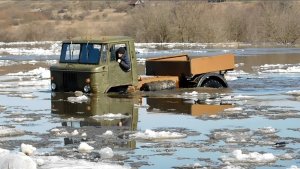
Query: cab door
point(116, 76)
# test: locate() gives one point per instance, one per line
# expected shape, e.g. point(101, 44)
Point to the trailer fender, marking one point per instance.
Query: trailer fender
point(212, 80)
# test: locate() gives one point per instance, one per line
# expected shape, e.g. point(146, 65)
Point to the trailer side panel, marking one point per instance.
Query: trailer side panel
point(212, 64)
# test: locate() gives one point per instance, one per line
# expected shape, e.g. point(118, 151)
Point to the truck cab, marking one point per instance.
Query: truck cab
point(91, 66)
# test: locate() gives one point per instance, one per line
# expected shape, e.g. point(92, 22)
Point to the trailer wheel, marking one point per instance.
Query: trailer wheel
point(212, 80)
point(213, 83)
point(158, 85)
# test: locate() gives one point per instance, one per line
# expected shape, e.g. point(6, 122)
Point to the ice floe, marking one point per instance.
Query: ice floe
point(293, 167)
point(279, 68)
point(252, 157)
point(153, 135)
point(74, 133)
point(79, 99)
point(55, 162)
point(294, 92)
point(41, 73)
point(63, 132)
point(267, 130)
point(27, 149)
point(110, 116)
point(106, 153)
point(22, 119)
point(245, 136)
point(55, 130)
point(234, 109)
point(30, 48)
point(27, 95)
point(85, 148)
point(16, 161)
point(7, 131)
point(108, 133)
point(193, 93)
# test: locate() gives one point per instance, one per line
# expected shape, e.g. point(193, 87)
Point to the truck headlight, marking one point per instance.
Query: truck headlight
point(53, 86)
point(87, 88)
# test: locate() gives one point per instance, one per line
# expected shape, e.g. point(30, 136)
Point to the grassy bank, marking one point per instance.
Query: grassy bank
point(154, 21)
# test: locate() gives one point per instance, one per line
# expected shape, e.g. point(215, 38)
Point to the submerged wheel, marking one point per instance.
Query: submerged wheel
point(212, 80)
point(213, 83)
point(158, 85)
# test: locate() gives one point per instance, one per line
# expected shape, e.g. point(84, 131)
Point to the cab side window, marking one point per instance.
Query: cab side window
point(113, 50)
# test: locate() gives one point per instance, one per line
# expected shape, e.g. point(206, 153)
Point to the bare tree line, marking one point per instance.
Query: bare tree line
point(156, 21)
point(266, 21)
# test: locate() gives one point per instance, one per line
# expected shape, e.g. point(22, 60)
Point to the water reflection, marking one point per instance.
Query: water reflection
point(121, 111)
point(185, 106)
point(98, 115)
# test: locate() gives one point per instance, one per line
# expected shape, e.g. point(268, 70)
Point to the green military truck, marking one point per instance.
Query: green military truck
point(91, 66)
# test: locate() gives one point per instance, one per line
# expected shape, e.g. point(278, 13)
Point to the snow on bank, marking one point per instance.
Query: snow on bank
point(253, 157)
point(188, 45)
point(153, 135)
point(53, 47)
point(30, 48)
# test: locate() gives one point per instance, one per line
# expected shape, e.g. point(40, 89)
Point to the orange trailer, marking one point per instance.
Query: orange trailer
point(186, 72)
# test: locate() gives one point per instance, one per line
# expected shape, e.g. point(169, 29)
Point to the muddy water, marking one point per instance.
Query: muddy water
point(252, 124)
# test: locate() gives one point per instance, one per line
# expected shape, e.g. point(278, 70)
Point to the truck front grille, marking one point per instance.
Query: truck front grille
point(69, 81)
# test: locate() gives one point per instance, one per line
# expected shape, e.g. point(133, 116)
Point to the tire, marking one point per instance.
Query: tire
point(158, 85)
point(212, 83)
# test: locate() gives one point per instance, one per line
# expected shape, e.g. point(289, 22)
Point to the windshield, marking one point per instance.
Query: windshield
point(84, 53)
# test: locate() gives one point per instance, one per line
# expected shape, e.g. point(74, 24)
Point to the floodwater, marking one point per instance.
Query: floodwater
point(252, 124)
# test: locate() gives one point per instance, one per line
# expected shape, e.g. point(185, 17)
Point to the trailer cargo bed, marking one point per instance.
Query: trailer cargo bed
point(183, 65)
